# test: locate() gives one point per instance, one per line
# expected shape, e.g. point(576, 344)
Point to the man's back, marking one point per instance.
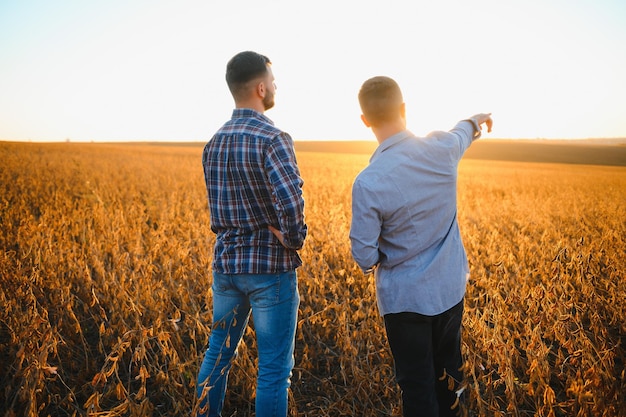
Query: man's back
point(253, 181)
point(417, 191)
point(233, 160)
point(411, 185)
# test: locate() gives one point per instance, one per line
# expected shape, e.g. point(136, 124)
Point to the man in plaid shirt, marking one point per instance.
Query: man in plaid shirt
point(257, 213)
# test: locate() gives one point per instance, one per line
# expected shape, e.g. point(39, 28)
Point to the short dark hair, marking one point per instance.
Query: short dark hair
point(380, 99)
point(243, 68)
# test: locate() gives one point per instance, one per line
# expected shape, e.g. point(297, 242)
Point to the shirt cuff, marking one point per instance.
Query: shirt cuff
point(477, 130)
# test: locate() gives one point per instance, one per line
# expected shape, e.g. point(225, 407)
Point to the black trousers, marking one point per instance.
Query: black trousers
point(424, 349)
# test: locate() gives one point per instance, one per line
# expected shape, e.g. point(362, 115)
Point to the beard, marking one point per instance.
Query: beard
point(268, 100)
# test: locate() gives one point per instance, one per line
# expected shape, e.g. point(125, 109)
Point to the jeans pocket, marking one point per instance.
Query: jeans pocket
point(273, 289)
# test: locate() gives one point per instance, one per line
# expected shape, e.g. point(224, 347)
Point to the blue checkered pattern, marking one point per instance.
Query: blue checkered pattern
point(253, 181)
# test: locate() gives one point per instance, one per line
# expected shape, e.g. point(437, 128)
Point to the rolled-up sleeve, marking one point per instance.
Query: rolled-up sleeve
point(366, 226)
point(284, 176)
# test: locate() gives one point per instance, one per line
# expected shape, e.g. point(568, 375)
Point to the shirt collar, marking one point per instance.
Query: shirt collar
point(244, 113)
point(390, 142)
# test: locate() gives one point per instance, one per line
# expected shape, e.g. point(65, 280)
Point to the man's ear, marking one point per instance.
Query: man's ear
point(260, 89)
point(367, 124)
point(403, 111)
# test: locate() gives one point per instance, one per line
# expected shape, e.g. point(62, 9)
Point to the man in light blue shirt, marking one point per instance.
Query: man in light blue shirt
point(405, 230)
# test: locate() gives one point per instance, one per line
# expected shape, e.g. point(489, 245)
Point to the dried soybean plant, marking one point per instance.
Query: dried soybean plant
point(105, 275)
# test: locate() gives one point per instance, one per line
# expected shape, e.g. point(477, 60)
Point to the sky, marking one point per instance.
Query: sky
point(153, 70)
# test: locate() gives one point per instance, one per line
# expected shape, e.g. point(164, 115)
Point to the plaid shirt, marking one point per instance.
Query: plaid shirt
point(253, 181)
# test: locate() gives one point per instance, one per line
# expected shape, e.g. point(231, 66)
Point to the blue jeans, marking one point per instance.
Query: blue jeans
point(273, 300)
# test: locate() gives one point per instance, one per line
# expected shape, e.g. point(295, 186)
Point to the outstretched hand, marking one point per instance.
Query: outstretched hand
point(484, 118)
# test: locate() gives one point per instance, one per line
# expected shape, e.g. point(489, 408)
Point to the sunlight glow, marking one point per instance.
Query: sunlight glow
point(154, 70)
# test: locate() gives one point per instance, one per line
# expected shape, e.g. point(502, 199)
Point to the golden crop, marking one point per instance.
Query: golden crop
point(105, 278)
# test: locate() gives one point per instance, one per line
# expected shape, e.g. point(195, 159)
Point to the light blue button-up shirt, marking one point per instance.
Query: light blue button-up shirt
point(404, 221)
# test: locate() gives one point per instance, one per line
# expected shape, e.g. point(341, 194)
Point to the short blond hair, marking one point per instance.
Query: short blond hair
point(380, 99)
